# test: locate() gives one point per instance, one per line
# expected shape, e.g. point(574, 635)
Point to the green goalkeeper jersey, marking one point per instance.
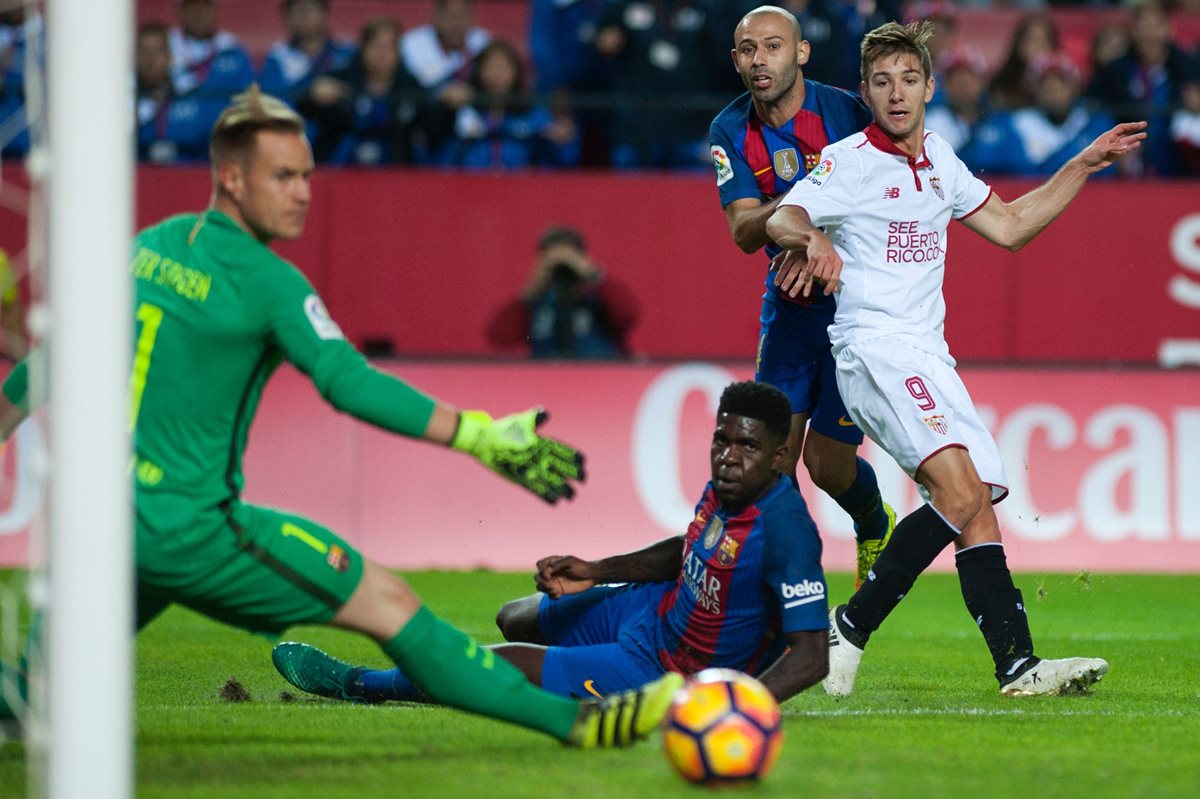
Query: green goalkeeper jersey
point(216, 312)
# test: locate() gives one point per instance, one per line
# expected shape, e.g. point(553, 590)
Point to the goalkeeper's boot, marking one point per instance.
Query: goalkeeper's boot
point(1052, 677)
point(7, 713)
point(12, 699)
point(868, 550)
point(316, 672)
point(10, 727)
point(13, 690)
point(621, 719)
point(844, 655)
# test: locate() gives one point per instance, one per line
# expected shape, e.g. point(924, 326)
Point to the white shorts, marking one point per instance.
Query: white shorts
point(914, 405)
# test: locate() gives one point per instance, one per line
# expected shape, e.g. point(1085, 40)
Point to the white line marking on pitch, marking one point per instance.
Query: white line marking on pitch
point(979, 711)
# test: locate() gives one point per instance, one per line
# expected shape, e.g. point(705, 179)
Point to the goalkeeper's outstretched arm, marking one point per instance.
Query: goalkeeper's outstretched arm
point(512, 448)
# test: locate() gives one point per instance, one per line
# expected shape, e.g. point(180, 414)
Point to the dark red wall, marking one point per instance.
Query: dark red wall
point(423, 257)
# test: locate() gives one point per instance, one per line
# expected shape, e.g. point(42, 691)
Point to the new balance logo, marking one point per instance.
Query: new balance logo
point(891, 193)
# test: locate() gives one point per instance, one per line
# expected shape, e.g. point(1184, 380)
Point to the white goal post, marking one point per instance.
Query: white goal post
point(88, 644)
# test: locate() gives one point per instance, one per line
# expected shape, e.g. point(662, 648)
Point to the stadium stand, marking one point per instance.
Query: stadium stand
point(259, 24)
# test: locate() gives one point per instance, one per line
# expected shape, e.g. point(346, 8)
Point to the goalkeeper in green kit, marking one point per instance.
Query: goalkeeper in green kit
point(216, 313)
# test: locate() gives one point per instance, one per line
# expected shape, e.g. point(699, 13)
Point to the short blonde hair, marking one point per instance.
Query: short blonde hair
point(236, 130)
point(893, 38)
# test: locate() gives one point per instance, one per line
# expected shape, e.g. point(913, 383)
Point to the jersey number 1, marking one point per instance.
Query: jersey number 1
point(149, 317)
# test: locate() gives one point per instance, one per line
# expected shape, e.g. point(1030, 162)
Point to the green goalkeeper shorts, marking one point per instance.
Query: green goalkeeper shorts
point(255, 568)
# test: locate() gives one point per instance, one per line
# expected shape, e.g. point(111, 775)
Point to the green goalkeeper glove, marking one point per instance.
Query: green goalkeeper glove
point(512, 448)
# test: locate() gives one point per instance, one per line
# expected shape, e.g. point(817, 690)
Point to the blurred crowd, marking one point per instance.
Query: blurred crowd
point(635, 83)
point(1039, 107)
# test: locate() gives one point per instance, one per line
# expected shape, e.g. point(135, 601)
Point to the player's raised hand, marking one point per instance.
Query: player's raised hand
point(796, 270)
point(824, 263)
point(512, 448)
point(558, 575)
point(1112, 145)
point(791, 270)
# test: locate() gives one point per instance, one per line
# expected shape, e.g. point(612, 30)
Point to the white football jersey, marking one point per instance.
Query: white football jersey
point(887, 216)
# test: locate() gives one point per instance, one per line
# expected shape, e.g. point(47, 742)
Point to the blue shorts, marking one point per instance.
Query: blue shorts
point(794, 356)
point(597, 641)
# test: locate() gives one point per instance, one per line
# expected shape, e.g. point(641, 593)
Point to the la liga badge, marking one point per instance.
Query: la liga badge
point(721, 162)
point(821, 172)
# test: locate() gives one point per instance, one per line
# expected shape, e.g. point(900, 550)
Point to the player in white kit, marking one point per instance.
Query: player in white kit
point(884, 198)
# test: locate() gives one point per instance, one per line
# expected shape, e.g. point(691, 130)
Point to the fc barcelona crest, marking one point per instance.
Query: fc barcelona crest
point(787, 163)
point(936, 184)
point(337, 558)
point(715, 528)
point(727, 552)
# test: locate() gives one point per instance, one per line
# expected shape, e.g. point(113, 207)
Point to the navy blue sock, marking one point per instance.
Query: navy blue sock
point(917, 540)
point(864, 503)
point(996, 605)
point(382, 685)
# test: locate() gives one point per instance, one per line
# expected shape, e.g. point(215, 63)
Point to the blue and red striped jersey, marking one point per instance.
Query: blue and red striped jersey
point(747, 578)
point(753, 159)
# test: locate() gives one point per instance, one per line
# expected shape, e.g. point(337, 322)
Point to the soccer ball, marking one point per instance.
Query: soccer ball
point(723, 727)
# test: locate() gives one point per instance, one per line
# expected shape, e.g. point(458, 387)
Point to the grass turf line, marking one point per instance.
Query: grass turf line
point(925, 719)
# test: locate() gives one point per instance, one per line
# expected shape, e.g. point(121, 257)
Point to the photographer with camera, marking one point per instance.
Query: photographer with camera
point(569, 308)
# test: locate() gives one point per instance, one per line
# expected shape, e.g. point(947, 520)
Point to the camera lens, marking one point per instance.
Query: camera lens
point(563, 276)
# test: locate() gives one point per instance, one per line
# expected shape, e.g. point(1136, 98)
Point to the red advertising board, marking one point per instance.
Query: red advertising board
point(1103, 467)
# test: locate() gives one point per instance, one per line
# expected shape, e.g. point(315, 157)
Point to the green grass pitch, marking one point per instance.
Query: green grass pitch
point(926, 719)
